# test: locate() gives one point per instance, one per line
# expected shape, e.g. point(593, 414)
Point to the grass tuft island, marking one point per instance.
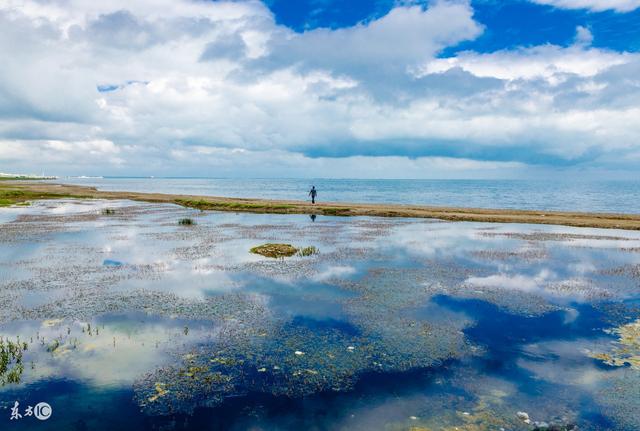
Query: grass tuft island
point(13, 192)
point(275, 250)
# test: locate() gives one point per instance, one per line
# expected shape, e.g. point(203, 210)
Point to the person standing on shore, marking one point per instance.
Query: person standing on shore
point(313, 193)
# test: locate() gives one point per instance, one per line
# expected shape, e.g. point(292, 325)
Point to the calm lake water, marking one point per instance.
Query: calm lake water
point(593, 196)
point(127, 320)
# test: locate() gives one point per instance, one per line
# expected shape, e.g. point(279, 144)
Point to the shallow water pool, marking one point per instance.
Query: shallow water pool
point(125, 319)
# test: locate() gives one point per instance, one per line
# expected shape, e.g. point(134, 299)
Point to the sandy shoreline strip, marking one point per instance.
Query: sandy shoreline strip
point(18, 191)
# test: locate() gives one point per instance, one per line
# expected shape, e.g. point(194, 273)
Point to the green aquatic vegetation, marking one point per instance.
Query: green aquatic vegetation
point(293, 359)
point(9, 196)
point(108, 211)
point(53, 346)
point(480, 419)
point(335, 211)
point(11, 366)
point(161, 391)
point(15, 374)
point(489, 412)
point(10, 202)
point(275, 250)
point(224, 361)
point(308, 251)
point(626, 350)
point(186, 222)
point(181, 388)
point(236, 206)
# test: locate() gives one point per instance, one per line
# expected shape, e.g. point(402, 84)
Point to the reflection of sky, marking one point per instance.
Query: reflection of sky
point(196, 262)
point(567, 362)
point(212, 257)
point(123, 348)
point(8, 214)
point(567, 262)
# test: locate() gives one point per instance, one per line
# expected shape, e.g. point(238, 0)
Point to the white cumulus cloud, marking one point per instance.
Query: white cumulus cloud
point(594, 5)
point(183, 87)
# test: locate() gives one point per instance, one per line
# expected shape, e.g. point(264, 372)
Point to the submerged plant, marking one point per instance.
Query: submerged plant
point(308, 251)
point(275, 250)
point(186, 222)
point(336, 211)
point(11, 366)
point(108, 211)
point(627, 347)
point(160, 392)
point(53, 346)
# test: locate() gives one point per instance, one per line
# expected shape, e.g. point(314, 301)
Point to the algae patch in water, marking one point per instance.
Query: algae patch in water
point(291, 360)
point(11, 366)
point(275, 250)
point(160, 392)
point(284, 250)
point(627, 347)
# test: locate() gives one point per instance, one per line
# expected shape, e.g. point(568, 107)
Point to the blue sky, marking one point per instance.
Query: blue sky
point(509, 24)
point(322, 88)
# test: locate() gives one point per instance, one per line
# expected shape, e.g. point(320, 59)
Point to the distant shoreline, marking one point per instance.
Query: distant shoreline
point(21, 191)
point(24, 178)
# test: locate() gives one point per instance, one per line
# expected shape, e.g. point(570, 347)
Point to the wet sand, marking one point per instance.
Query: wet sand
point(30, 190)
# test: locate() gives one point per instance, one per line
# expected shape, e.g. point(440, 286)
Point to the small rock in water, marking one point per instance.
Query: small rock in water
point(298, 353)
point(524, 417)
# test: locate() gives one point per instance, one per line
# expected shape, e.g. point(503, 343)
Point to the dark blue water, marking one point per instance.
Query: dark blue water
point(566, 195)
